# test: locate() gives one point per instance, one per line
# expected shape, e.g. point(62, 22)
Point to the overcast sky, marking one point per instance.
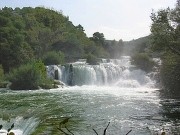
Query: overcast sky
point(117, 19)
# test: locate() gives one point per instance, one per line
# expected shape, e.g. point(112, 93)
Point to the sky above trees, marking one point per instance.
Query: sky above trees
point(117, 19)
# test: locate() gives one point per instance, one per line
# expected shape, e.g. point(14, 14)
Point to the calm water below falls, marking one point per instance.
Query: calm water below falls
point(139, 109)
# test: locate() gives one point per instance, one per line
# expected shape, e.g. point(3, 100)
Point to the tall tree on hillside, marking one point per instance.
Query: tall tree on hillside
point(166, 29)
point(98, 38)
point(80, 27)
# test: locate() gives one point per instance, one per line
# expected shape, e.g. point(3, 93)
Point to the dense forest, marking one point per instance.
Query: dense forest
point(32, 33)
point(42, 34)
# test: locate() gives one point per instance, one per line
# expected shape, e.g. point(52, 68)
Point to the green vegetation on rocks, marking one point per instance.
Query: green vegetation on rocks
point(170, 73)
point(53, 58)
point(91, 59)
point(1, 73)
point(3, 83)
point(29, 77)
point(143, 61)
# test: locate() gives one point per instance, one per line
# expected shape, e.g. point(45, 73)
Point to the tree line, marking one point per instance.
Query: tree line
point(165, 35)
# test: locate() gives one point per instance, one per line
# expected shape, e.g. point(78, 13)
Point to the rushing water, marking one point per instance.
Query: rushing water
point(129, 101)
point(112, 72)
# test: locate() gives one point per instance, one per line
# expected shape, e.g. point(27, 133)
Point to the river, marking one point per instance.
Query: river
point(129, 102)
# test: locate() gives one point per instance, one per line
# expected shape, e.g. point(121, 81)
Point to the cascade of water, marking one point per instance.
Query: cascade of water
point(117, 72)
point(21, 127)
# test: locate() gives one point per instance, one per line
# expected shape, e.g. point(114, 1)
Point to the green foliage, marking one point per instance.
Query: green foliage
point(143, 61)
point(14, 48)
point(53, 58)
point(170, 73)
point(1, 73)
point(98, 38)
point(3, 83)
point(25, 77)
point(166, 40)
point(29, 33)
point(98, 47)
point(91, 59)
point(72, 51)
point(140, 45)
point(28, 77)
point(114, 48)
point(165, 30)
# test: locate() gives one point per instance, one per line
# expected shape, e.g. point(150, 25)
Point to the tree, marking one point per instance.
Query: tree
point(98, 37)
point(14, 50)
point(91, 59)
point(30, 76)
point(80, 27)
point(165, 29)
point(143, 61)
point(1, 73)
point(53, 58)
point(170, 74)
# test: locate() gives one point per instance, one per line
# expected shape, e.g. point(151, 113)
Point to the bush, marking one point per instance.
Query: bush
point(143, 61)
point(91, 59)
point(53, 58)
point(1, 73)
point(3, 84)
point(29, 77)
point(170, 73)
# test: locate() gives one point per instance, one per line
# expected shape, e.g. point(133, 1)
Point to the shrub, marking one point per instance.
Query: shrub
point(53, 58)
point(91, 59)
point(143, 61)
point(170, 73)
point(29, 77)
point(3, 83)
point(1, 73)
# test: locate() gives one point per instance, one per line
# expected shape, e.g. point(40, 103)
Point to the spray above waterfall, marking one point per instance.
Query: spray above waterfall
point(118, 72)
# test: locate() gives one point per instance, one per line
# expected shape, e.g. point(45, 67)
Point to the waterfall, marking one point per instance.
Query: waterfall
point(117, 72)
point(22, 126)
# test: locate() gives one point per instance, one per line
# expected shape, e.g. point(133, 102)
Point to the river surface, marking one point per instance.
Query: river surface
point(113, 91)
point(89, 107)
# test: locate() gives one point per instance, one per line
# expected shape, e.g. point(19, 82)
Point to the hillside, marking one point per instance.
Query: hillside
point(30, 33)
point(136, 46)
